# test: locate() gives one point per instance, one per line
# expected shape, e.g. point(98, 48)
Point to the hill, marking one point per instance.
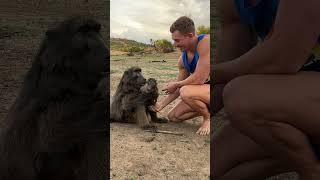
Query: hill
point(120, 44)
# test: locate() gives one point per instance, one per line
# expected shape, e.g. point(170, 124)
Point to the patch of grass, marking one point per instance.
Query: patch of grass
point(171, 76)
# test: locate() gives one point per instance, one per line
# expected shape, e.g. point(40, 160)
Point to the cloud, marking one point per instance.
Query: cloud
point(141, 20)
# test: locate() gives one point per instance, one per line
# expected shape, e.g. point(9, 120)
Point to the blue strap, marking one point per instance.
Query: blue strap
point(192, 66)
point(260, 16)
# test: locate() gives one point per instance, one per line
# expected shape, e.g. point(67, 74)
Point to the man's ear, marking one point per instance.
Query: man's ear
point(190, 35)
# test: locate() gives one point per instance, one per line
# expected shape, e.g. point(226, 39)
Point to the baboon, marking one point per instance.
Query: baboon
point(132, 99)
point(56, 128)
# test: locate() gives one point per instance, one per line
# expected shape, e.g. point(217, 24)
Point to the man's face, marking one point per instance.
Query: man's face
point(182, 41)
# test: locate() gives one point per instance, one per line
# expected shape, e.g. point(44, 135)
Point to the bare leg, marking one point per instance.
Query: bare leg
point(216, 102)
point(198, 98)
point(181, 112)
point(235, 156)
point(257, 169)
point(280, 113)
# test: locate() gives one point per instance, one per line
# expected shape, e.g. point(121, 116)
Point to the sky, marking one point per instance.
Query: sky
point(142, 20)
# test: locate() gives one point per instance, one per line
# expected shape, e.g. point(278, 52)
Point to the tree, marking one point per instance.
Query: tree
point(203, 30)
point(163, 45)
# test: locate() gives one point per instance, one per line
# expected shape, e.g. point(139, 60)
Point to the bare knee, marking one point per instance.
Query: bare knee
point(172, 116)
point(185, 93)
point(237, 99)
point(235, 96)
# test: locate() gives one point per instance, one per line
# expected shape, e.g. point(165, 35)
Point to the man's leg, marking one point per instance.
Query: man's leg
point(181, 112)
point(198, 98)
point(235, 156)
point(216, 102)
point(280, 113)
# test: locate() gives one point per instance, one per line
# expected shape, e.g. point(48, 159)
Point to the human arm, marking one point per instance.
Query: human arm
point(233, 40)
point(183, 74)
point(295, 33)
point(202, 70)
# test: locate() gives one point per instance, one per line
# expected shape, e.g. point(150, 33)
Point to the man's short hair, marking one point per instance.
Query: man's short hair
point(184, 25)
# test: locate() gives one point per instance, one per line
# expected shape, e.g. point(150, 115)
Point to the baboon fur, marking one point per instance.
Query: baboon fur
point(56, 129)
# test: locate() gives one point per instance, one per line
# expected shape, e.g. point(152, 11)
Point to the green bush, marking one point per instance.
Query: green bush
point(163, 45)
point(132, 49)
point(203, 30)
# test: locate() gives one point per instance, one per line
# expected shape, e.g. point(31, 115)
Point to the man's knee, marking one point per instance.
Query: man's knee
point(236, 97)
point(185, 93)
point(173, 116)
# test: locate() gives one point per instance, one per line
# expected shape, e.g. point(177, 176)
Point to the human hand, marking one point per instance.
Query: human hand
point(156, 108)
point(171, 87)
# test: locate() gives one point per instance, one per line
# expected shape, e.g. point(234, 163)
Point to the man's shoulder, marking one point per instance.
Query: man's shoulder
point(206, 37)
point(204, 44)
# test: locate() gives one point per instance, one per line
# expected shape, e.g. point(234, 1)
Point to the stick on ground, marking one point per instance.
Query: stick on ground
point(165, 132)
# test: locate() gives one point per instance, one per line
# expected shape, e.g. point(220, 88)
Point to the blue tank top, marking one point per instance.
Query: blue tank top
point(192, 66)
point(260, 16)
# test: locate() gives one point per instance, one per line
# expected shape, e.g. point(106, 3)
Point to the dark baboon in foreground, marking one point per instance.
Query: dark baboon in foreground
point(56, 128)
point(132, 99)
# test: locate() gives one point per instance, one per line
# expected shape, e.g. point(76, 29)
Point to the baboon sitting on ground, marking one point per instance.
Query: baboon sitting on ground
point(56, 129)
point(132, 99)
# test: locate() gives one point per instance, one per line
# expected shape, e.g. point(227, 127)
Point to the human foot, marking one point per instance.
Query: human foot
point(205, 128)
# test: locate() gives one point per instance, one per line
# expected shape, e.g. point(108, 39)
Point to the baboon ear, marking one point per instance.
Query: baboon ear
point(137, 69)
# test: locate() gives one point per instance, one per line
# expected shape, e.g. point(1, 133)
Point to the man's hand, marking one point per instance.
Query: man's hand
point(171, 87)
point(157, 107)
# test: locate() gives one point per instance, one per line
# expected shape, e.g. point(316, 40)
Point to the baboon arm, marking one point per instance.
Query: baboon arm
point(130, 102)
point(143, 119)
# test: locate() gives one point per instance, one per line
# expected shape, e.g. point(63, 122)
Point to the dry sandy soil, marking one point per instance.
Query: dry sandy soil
point(136, 154)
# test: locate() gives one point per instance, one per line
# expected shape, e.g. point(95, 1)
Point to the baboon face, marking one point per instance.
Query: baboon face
point(133, 76)
point(79, 42)
point(150, 86)
point(138, 78)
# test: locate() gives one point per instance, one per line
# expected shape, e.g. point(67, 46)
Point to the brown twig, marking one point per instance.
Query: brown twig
point(165, 132)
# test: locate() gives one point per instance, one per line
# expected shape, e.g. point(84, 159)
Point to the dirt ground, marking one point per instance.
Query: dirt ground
point(15, 60)
point(136, 154)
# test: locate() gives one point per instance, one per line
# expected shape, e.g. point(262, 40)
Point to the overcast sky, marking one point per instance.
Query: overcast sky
point(142, 20)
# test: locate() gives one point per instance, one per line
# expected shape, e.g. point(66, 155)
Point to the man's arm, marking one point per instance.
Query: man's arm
point(233, 37)
point(202, 70)
point(233, 40)
point(296, 31)
point(183, 74)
